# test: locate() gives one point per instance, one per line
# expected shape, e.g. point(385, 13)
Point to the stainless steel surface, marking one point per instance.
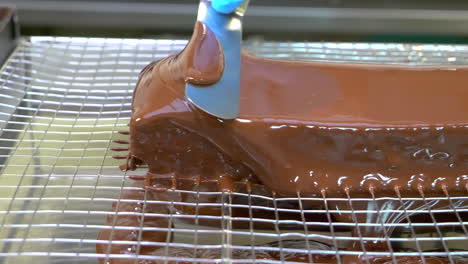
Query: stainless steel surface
point(62, 101)
point(430, 17)
point(221, 99)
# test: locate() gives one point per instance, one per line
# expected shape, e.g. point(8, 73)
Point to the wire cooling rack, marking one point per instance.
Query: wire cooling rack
point(62, 102)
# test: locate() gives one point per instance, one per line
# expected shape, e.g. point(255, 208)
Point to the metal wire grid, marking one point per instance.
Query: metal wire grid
point(64, 99)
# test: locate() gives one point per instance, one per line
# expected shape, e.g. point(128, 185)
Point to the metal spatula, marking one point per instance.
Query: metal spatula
point(222, 98)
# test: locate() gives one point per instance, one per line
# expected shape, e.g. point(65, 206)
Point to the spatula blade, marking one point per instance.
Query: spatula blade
point(221, 99)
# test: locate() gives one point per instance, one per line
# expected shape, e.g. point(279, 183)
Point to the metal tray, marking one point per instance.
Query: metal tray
point(9, 31)
point(62, 101)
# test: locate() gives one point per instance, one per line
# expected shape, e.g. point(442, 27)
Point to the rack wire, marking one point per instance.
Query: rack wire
point(62, 102)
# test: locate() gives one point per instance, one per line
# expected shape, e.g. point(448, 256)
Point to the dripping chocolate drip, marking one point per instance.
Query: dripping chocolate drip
point(124, 132)
point(122, 142)
point(119, 149)
point(119, 157)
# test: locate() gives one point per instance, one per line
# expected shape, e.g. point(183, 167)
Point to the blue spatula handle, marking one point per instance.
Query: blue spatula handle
point(226, 6)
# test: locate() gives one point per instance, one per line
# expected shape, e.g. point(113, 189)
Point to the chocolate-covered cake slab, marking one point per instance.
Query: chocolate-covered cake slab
point(308, 127)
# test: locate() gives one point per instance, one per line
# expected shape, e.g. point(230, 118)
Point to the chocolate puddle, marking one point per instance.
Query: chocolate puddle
point(131, 204)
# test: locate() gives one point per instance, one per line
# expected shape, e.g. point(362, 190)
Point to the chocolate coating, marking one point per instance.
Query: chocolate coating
point(306, 127)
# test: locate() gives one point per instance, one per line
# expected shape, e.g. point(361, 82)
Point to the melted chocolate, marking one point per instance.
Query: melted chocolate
point(317, 129)
point(306, 127)
point(131, 206)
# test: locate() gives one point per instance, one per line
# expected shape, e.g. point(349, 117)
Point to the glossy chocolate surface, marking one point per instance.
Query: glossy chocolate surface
point(305, 127)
